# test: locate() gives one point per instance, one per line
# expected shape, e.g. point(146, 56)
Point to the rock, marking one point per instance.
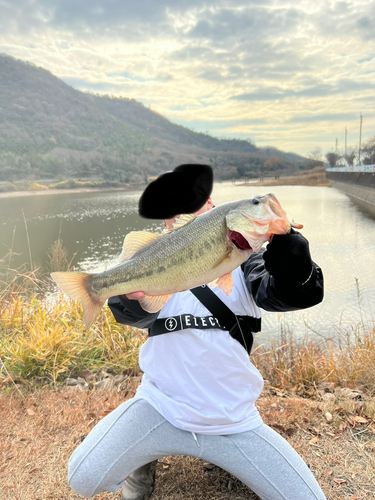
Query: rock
point(346, 392)
point(124, 384)
point(87, 375)
point(105, 384)
point(328, 416)
point(355, 395)
point(327, 386)
point(118, 379)
point(208, 466)
point(75, 388)
point(81, 380)
point(102, 375)
point(71, 381)
point(328, 397)
point(342, 392)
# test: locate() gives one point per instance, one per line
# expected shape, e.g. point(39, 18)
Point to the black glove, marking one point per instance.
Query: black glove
point(288, 260)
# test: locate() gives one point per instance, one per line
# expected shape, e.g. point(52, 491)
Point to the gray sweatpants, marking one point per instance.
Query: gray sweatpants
point(135, 434)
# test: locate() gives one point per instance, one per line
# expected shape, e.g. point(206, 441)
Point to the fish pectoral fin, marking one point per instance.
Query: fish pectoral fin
point(225, 283)
point(153, 303)
point(134, 241)
point(76, 286)
point(221, 259)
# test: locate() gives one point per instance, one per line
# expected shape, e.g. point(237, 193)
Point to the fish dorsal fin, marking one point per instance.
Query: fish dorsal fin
point(153, 303)
point(225, 283)
point(134, 241)
point(183, 220)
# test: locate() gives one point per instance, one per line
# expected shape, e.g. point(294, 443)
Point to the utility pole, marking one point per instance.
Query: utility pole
point(336, 146)
point(360, 139)
point(346, 134)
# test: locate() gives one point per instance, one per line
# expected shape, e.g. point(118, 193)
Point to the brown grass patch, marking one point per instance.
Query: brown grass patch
point(315, 177)
point(39, 433)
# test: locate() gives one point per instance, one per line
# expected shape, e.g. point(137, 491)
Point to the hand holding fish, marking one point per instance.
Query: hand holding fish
point(288, 260)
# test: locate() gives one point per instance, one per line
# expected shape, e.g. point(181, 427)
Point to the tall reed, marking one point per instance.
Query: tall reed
point(46, 339)
point(348, 361)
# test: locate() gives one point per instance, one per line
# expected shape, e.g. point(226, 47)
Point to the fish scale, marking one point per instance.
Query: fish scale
point(197, 251)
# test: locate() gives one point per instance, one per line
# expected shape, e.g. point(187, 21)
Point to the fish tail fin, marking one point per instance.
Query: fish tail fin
point(76, 286)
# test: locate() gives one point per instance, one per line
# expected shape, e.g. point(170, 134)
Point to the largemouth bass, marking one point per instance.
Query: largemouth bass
point(198, 250)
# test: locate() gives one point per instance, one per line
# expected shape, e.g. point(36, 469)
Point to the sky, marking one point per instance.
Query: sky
point(287, 74)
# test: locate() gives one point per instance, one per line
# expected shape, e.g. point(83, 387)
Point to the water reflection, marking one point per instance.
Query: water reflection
point(93, 226)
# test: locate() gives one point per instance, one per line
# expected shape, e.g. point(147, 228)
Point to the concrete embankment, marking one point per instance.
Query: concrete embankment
point(360, 186)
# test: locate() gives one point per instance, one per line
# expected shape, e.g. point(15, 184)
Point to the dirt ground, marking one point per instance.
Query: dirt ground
point(38, 434)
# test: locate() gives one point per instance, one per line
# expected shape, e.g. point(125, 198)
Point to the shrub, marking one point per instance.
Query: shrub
point(68, 184)
point(7, 187)
point(34, 186)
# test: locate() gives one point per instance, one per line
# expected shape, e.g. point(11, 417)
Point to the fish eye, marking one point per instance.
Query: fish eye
point(255, 201)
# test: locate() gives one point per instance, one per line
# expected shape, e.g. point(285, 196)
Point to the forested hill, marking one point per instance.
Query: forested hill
point(49, 130)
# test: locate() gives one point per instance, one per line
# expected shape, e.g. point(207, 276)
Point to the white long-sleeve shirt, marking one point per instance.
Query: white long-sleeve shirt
point(202, 380)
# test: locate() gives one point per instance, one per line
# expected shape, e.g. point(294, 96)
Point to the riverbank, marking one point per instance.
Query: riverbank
point(359, 186)
point(315, 177)
point(40, 432)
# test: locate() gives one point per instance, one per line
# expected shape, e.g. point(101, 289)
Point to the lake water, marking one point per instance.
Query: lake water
point(93, 226)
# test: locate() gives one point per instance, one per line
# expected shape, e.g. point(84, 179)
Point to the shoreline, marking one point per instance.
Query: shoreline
point(43, 192)
point(16, 194)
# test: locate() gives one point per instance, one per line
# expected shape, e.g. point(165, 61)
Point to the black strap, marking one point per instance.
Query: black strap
point(182, 322)
point(240, 328)
point(226, 317)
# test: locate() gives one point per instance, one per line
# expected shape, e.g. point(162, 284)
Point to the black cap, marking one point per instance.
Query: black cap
point(183, 191)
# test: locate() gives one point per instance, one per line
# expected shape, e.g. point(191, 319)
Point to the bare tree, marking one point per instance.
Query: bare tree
point(332, 159)
point(351, 153)
point(368, 152)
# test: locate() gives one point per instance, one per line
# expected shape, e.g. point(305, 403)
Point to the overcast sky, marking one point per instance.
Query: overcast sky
point(287, 74)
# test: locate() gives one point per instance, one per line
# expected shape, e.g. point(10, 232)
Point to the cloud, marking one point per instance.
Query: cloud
point(334, 117)
point(279, 71)
point(319, 90)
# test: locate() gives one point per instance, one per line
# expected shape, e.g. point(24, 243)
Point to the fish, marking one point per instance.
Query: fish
point(198, 250)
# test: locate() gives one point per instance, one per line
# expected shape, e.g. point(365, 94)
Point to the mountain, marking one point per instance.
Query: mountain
point(269, 150)
point(49, 129)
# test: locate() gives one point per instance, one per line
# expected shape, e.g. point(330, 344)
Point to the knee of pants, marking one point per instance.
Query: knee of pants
point(81, 487)
point(81, 478)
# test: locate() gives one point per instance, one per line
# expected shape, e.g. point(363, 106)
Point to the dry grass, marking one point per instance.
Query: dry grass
point(38, 434)
point(47, 341)
point(301, 366)
point(314, 177)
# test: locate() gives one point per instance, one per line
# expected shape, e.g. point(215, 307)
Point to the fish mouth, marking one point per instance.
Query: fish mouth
point(239, 241)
